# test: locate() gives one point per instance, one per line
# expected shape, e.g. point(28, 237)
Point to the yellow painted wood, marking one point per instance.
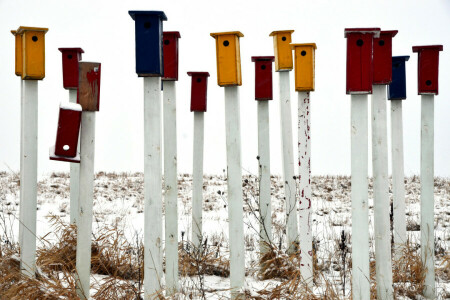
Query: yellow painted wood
point(282, 50)
point(304, 66)
point(228, 58)
point(18, 51)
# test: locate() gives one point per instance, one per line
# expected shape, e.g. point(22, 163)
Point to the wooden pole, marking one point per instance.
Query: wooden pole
point(359, 196)
point(171, 185)
point(74, 175)
point(152, 187)
point(197, 179)
point(427, 194)
point(288, 162)
point(381, 194)
point(86, 198)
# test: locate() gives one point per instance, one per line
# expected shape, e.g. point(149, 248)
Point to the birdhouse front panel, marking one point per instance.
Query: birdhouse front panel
point(228, 58)
point(397, 88)
point(382, 57)
point(199, 90)
point(89, 85)
point(428, 69)
point(263, 77)
point(304, 66)
point(18, 52)
point(282, 49)
point(170, 54)
point(70, 59)
point(68, 130)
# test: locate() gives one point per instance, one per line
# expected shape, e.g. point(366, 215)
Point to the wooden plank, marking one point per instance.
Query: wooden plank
point(89, 86)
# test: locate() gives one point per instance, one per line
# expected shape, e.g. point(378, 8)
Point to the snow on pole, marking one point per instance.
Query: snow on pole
point(304, 84)
point(359, 84)
point(30, 65)
point(264, 93)
point(428, 80)
point(283, 65)
point(229, 76)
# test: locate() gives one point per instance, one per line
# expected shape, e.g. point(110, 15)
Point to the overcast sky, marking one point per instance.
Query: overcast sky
point(106, 33)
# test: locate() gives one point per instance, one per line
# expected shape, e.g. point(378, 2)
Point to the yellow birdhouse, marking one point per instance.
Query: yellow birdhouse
point(30, 52)
point(282, 49)
point(228, 58)
point(304, 66)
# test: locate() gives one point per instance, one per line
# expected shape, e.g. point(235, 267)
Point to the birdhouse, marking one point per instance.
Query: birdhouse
point(397, 88)
point(170, 47)
point(263, 77)
point(428, 69)
point(149, 48)
point(70, 59)
point(282, 49)
point(382, 57)
point(228, 58)
point(199, 88)
point(30, 52)
point(360, 59)
point(89, 85)
point(66, 145)
point(304, 66)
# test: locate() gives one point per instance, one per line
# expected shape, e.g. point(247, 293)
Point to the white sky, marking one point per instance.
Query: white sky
point(106, 33)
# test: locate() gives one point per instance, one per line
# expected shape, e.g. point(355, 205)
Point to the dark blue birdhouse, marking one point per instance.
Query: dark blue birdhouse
point(149, 47)
point(397, 88)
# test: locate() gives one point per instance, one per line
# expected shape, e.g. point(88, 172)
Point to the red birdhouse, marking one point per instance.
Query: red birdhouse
point(66, 145)
point(199, 88)
point(89, 85)
point(428, 69)
point(263, 77)
point(360, 59)
point(170, 53)
point(382, 57)
point(70, 59)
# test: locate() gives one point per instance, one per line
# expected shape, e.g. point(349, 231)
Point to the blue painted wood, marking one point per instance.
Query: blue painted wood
point(149, 47)
point(397, 88)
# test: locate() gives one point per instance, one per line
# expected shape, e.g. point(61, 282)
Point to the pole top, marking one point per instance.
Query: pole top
point(172, 33)
point(203, 74)
point(374, 31)
point(430, 47)
point(160, 14)
point(78, 50)
point(277, 32)
point(237, 33)
point(263, 58)
point(313, 45)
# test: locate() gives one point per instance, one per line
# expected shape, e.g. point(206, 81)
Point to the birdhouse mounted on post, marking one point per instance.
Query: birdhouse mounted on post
point(199, 90)
point(382, 57)
point(149, 48)
point(263, 77)
point(304, 66)
point(89, 86)
point(170, 54)
point(70, 59)
point(397, 87)
point(360, 59)
point(282, 49)
point(228, 58)
point(428, 69)
point(30, 52)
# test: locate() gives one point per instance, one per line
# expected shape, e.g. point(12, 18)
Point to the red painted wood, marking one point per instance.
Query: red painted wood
point(199, 90)
point(70, 59)
point(170, 53)
point(67, 134)
point(428, 69)
point(88, 93)
point(263, 77)
point(382, 57)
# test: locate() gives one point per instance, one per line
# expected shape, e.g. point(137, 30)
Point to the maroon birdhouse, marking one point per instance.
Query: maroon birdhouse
point(382, 57)
point(170, 53)
point(70, 59)
point(89, 85)
point(360, 59)
point(66, 145)
point(199, 88)
point(263, 77)
point(428, 69)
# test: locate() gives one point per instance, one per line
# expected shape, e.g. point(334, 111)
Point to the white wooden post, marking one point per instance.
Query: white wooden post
point(86, 198)
point(74, 175)
point(427, 194)
point(171, 184)
point(197, 179)
point(359, 196)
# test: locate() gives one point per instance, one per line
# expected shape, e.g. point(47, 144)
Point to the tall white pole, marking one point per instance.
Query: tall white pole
point(383, 264)
point(304, 162)
point(152, 187)
point(398, 176)
point(234, 182)
point(427, 194)
point(360, 198)
point(171, 185)
point(197, 179)
point(28, 177)
point(86, 198)
point(288, 162)
point(74, 175)
point(265, 206)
